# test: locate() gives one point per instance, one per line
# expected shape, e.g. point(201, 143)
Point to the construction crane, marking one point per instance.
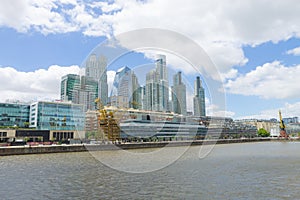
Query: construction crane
point(283, 133)
point(107, 126)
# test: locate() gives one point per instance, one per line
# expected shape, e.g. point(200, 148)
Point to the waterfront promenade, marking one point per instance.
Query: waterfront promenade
point(43, 149)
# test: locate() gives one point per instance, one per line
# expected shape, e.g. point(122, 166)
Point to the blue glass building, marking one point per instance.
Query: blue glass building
point(14, 115)
point(57, 116)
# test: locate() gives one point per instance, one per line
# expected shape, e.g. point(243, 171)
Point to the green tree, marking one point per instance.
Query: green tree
point(263, 133)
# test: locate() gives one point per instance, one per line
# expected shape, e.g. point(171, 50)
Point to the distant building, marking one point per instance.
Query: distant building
point(79, 90)
point(178, 95)
point(157, 86)
point(96, 69)
point(290, 120)
point(56, 116)
point(199, 98)
point(152, 91)
point(268, 125)
point(14, 114)
point(125, 90)
point(69, 84)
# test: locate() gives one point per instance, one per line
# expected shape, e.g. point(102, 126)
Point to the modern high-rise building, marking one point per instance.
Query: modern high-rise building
point(125, 93)
point(161, 69)
point(178, 95)
point(96, 69)
point(157, 86)
point(79, 90)
point(199, 98)
point(152, 91)
point(69, 84)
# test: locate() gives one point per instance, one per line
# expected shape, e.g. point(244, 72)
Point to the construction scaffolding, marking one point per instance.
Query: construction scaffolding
point(108, 126)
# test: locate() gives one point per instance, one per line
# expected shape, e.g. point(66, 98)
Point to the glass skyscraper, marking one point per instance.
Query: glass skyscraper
point(69, 84)
point(178, 95)
point(79, 90)
point(157, 86)
point(96, 69)
point(199, 98)
point(125, 89)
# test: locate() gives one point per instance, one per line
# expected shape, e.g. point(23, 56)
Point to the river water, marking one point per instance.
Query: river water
point(266, 170)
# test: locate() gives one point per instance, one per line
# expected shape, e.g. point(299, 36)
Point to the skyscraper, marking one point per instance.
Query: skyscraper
point(162, 72)
point(178, 95)
point(157, 86)
point(79, 90)
point(124, 92)
point(152, 91)
point(69, 83)
point(96, 69)
point(199, 98)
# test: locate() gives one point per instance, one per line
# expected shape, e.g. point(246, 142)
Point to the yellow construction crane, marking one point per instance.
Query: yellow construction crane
point(107, 125)
point(282, 127)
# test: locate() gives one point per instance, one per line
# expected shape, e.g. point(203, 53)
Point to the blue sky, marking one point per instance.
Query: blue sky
point(254, 46)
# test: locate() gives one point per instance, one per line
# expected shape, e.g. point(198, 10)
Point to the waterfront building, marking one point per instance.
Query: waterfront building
point(178, 95)
point(96, 68)
point(290, 120)
point(56, 116)
point(14, 115)
point(125, 90)
point(199, 98)
point(268, 125)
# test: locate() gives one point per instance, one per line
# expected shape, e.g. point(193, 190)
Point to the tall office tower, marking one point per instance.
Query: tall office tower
point(69, 83)
point(124, 92)
point(143, 98)
point(79, 90)
point(96, 69)
point(178, 95)
point(157, 86)
point(161, 70)
point(152, 91)
point(199, 98)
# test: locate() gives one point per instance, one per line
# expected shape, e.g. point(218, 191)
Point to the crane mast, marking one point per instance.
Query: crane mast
point(107, 126)
point(283, 133)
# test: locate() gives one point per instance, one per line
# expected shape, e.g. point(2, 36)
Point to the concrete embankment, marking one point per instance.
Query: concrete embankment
point(23, 150)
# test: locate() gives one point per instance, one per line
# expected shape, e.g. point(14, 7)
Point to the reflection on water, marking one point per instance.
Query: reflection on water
point(234, 171)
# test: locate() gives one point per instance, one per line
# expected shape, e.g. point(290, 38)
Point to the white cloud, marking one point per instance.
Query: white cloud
point(295, 51)
point(30, 86)
point(272, 80)
point(287, 110)
point(214, 110)
point(220, 27)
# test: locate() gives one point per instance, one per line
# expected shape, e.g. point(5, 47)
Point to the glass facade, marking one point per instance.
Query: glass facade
point(199, 99)
point(79, 90)
point(16, 115)
point(69, 84)
point(57, 116)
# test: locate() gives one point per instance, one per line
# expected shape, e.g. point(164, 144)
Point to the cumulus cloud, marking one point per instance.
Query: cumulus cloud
point(287, 110)
point(271, 80)
point(295, 51)
point(31, 86)
point(222, 28)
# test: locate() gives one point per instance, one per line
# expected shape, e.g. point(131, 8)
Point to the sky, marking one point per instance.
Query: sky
point(254, 45)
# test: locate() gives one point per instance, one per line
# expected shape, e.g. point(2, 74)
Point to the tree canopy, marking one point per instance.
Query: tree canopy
point(263, 133)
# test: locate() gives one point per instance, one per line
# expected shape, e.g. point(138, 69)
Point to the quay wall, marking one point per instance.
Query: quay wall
point(23, 150)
